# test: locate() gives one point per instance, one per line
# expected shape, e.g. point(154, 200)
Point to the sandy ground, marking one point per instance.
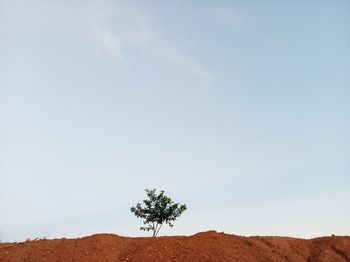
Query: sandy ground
point(207, 246)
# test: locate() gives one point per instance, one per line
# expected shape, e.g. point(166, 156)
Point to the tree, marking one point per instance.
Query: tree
point(157, 210)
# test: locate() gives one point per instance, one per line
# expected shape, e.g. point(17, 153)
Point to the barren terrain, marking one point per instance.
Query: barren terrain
point(207, 246)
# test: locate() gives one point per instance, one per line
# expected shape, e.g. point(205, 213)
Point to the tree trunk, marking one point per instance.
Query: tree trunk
point(159, 229)
point(155, 230)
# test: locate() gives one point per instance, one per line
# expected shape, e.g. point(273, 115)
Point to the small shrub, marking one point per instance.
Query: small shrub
point(156, 210)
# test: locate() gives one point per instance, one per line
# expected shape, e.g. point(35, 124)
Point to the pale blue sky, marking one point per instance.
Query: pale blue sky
point(238, 108)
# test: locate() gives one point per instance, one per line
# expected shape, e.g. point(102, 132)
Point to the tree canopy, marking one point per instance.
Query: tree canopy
point(156, 210)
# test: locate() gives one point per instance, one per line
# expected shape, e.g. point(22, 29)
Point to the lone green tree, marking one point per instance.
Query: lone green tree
point(156, 210)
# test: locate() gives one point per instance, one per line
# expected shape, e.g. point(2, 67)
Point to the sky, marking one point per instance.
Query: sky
point(240, 109)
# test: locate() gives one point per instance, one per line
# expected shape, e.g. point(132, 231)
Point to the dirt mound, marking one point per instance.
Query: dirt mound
point(207, 246)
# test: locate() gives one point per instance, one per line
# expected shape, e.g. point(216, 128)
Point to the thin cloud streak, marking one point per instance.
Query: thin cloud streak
point(138, 33)
point(228, 14)
point(174, 57)
point(107, 40)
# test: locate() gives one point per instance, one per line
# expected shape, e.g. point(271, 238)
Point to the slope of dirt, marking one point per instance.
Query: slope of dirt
point(207, 246)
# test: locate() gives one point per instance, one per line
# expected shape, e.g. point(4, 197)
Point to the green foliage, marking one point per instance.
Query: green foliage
point(157, 210)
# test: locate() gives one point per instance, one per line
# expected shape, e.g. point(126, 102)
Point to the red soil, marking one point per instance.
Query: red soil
point(207, 246)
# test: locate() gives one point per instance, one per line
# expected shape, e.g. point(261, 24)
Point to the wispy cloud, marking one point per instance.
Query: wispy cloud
point(173, 56)
point(229, 14)
point(121, 28)
point(108, 40)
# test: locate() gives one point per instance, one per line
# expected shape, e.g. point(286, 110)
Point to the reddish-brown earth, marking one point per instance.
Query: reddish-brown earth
point(207, 246)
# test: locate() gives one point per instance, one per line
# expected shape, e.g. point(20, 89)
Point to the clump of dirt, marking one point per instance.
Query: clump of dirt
point(206, 246)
